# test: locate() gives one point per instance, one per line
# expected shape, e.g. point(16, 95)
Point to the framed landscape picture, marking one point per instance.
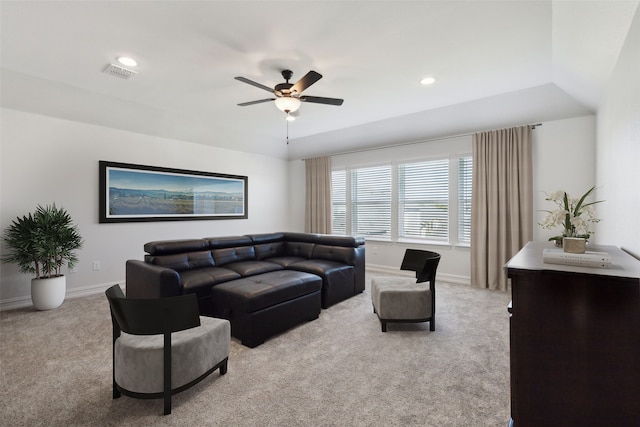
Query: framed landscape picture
point(131, 193)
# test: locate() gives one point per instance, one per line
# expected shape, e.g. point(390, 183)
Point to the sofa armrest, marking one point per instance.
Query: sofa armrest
point(359, 266)
point(145, 280)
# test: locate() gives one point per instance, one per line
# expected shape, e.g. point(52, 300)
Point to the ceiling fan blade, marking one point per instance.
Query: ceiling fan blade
point(252, 83)
point(260, 101)
point(322, 100)
point(310, 78)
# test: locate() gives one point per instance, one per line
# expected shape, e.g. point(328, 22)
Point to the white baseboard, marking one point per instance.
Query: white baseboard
point(449, 278)
point(20, 302)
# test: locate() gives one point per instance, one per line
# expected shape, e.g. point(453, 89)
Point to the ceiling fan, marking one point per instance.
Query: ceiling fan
point(288, 96)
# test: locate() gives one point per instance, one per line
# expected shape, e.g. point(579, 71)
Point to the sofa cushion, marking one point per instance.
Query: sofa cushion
point(251, 268)
point(334, 253)
point(285, 261)
point(301, 237)
point(177, 262)
point(254, 293)
point(269, 250)
point(319, 267)
point(237, 254)
point(168, 247)
point(183, 262)
point(335, 240)
point(299, 249)
point(228, 242)
point(337, 278)
point(201, 280)
point(258, 239)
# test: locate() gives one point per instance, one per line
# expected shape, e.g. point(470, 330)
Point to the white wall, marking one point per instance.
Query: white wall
point(564, 158)
point(46, 160)
point(564, 154)
point(297, 187)
point(618, 152)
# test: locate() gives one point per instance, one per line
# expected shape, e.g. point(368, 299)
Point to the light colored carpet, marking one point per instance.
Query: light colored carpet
point(338, 370)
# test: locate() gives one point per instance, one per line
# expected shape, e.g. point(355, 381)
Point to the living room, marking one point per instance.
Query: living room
point(51, 141)
point(597, 140)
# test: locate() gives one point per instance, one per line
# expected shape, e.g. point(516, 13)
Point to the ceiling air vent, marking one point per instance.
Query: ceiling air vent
point(118, 71)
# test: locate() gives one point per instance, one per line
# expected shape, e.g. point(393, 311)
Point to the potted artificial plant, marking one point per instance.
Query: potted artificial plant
point(41, 243)
point(574, 215)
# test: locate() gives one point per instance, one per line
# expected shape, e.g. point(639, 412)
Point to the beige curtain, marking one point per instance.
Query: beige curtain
point(502, 202)
point(318, 195)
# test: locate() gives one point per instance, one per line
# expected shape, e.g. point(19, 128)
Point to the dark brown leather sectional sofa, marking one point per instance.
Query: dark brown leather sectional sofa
point(263, 283)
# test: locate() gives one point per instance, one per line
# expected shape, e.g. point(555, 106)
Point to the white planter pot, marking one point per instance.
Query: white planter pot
point(47, 294)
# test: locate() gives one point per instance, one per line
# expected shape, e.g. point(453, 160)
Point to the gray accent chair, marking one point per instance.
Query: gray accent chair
point(162, 346)
point(398, 299)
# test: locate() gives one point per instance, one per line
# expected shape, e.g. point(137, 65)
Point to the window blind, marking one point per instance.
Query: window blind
point(465, 174)
point(339, 201)
point(371, 201)
point(423, 200)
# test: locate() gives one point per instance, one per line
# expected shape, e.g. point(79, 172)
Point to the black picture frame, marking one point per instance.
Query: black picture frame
point(135, 193)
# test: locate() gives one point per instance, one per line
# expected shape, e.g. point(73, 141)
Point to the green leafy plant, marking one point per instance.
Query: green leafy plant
point(42, 242)
point(573, 214)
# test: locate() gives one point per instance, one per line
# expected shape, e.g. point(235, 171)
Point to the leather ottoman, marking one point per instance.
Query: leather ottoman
point(261, 306)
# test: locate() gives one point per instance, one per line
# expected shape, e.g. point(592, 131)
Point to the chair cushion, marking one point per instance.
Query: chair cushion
point(401, 298)
point(138, 359)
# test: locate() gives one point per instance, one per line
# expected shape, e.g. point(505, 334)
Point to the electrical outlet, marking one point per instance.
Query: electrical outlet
point(96, 265)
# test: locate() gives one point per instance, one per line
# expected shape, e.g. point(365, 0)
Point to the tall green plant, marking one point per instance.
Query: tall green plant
point(42, 242)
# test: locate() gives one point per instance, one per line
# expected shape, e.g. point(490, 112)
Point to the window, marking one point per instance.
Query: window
point(371, 201)
point(465, 173)
point(428, 200)
point(339, 202)
point(423, 200)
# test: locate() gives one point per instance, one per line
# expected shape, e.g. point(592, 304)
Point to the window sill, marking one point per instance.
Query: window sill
point(425, 242)
point(460, 245)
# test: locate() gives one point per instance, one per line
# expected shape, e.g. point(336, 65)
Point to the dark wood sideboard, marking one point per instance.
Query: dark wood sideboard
point(575, 341)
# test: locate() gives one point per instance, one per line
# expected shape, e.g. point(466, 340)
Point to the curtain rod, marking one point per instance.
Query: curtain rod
point(402, 144)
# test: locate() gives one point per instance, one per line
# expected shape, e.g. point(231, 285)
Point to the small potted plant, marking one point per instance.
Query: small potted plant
point(41, 243)
point(574, 215)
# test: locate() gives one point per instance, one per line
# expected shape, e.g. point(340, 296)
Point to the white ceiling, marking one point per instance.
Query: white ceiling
point(497, 63)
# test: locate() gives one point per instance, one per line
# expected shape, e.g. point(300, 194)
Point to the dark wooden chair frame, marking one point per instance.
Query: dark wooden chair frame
point(154, 317)
point(425, 264)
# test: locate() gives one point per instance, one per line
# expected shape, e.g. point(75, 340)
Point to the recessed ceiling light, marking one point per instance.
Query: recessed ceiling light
point(129, 62)
point(428, 81)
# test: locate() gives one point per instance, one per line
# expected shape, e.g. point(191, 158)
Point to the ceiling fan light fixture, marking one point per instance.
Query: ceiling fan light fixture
point(287, 104)
point(289, 117)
